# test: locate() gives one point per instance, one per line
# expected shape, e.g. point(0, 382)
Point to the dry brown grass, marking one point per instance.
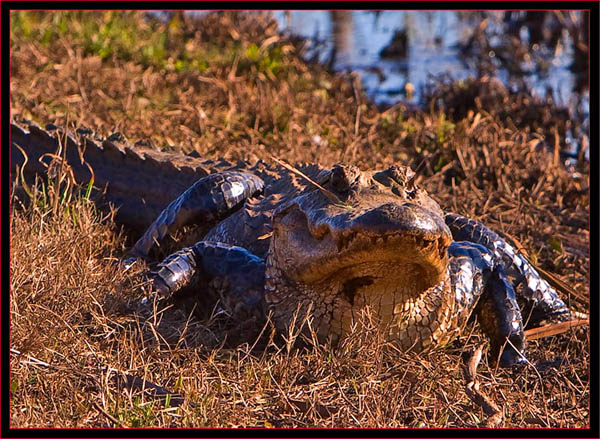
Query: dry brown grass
point(73, 310)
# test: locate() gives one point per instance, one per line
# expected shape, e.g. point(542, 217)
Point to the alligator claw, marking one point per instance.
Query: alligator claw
point(127, 263)
point(159, 286)
point(510, 358)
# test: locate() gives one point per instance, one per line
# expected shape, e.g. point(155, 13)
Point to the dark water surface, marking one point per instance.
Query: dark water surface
point(434, 41)
point(533, 50)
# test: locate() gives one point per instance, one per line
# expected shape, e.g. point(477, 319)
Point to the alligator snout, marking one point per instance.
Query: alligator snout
point(392, 218)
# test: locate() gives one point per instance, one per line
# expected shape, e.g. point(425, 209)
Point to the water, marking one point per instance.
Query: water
point(434, 41)
point(437, 43)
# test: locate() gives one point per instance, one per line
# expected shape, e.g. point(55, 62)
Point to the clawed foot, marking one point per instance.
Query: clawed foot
point(129, 260)
point(510, 358)
point(169, 276)
point(158, 285)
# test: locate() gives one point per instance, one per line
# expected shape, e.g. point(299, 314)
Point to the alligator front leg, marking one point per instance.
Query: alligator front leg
point(542, 299)
point(206, 202)
point(478, 280)
point(233, 273)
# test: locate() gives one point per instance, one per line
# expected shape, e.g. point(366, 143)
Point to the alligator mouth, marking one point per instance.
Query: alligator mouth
point(393, 276)
point(382, 284)
point(391, 259)
point(415, 258)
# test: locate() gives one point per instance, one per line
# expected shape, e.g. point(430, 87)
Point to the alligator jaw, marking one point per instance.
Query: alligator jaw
point(376, 249)
point(359, 253)
point(310, 247)
point(402, 297)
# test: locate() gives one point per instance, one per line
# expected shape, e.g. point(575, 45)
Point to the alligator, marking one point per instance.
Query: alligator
point(308, 245)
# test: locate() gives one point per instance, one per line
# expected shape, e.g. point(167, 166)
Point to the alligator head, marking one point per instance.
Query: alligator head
point(379, 241)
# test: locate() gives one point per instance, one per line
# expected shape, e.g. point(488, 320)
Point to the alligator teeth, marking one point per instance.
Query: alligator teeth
point(442, 249)
point(347, 239)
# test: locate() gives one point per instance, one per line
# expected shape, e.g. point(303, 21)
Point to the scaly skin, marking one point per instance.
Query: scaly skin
point(276, 243)
point(141, 182)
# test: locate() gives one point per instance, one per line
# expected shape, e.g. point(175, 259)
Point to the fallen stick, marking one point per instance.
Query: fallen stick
point(129, 381)
point(108, 415)
point(472, 390)
point(553, 329)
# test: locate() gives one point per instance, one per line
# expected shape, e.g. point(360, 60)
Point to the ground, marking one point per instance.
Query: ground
point(234, 88)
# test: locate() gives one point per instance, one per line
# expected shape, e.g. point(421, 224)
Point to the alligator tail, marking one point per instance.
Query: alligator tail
point(140, 182)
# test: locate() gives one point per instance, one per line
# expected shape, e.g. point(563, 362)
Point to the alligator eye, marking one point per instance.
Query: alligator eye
point(404, 177)
point(342, 178)
point(398, 174)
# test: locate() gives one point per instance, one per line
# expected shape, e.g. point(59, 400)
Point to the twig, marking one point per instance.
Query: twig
point(355, 88)
point(148, 388)
point(333, 197)
point(108, 415)
point(472, 390)
point(553, 329)
point(21, 174)
point(473, 362)
point(130, 381)
point(411, 181)
point(34, 361)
